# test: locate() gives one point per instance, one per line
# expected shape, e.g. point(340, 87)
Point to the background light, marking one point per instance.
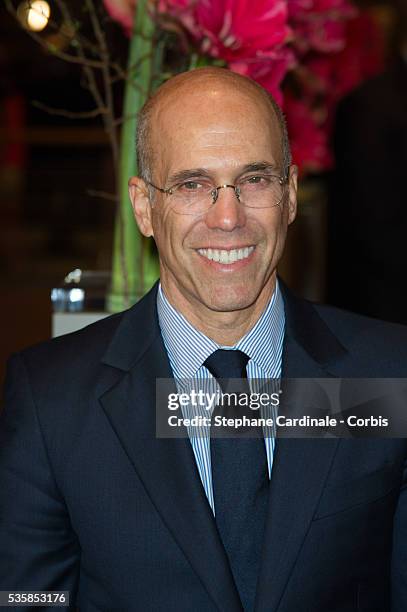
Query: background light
point(37, 14)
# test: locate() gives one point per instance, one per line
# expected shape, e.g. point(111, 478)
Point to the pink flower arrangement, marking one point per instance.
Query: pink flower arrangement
point(249, 36)
point(313, 40)
point(236, 31)
point(322, 80)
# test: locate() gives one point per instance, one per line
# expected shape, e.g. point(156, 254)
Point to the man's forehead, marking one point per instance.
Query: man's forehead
point(208, 97)
point(212, 116)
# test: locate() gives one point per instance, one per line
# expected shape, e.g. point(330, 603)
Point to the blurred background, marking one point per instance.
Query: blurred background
point(57, 175)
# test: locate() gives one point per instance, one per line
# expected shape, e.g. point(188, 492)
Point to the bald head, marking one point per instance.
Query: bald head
point(203, 85)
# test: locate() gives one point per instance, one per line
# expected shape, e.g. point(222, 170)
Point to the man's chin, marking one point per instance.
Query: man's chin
point(229, 301)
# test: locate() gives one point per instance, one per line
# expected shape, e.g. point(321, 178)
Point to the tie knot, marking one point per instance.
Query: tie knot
point(227, 364)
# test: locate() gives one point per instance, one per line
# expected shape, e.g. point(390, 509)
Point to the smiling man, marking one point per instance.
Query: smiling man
point(94, 503)
point(225, 195)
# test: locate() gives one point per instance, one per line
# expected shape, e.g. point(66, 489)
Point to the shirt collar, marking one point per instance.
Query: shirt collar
point(264, 342)
point(188, 348)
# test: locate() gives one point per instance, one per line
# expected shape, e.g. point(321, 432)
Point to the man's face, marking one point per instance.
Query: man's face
point(219, 132)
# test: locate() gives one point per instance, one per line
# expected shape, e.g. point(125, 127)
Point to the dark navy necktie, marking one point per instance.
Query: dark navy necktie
point(240, 483)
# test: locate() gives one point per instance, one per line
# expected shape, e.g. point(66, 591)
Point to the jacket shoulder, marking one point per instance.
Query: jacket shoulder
point(70, 363)
point(350, 323)
point(379, 344)
point(88, 343)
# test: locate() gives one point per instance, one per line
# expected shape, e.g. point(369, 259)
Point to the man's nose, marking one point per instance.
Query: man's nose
point(227, 212)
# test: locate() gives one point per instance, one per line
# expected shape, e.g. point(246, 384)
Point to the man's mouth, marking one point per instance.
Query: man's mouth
point(227, 256)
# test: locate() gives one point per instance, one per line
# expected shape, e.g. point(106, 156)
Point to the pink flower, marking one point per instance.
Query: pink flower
point(323, 43)
point(322, 80)
point(249, 36)
point(363, 55)
point(319, 25)
point(241, 29)
point(232, 30)
point(181, 14)
point(336, 74)
point(122, 11)
point(308, 136)
point(268, 71)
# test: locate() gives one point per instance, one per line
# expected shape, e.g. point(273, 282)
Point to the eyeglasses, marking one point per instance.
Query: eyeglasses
point(194, 197)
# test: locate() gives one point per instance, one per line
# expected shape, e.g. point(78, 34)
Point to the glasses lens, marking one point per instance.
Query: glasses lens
point(192, 197)
point(261, 191)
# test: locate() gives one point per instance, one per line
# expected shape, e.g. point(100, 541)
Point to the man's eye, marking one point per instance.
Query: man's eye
point(191, 186)
point(257, 180)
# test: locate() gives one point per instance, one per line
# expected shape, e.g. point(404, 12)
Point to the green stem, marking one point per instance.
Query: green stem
point(131, 254)
point(199, 61)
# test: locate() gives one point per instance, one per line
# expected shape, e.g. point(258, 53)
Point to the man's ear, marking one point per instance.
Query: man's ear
point(292, 193)
point(140, 201)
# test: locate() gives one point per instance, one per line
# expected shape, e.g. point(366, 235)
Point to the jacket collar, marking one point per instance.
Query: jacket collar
point(306, 329)
point(139, 328)
point(137, 331)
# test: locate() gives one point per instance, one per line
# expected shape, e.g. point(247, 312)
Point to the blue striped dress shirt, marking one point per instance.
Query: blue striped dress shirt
point(187, 350)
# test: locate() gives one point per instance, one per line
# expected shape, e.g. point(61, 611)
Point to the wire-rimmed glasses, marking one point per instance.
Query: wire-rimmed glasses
point(197, 195)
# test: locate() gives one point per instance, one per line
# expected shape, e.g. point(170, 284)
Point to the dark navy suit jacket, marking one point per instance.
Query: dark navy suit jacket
point(93, 503)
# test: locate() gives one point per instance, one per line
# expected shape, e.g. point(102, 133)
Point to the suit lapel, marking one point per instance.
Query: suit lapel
point(166, 467)
point(300, 466)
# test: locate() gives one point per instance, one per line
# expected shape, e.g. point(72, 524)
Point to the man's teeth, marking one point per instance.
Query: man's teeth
point(226, 257)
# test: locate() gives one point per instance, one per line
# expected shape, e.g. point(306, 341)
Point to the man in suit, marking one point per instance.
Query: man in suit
point(93, 502)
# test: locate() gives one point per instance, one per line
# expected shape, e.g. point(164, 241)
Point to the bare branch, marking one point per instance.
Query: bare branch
point(104, 195)
point(88, 69)
point(109, 118)
point(134, 67)
point(126, 78)
point(121, 120)
point(96, 112)
point(67, 57)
